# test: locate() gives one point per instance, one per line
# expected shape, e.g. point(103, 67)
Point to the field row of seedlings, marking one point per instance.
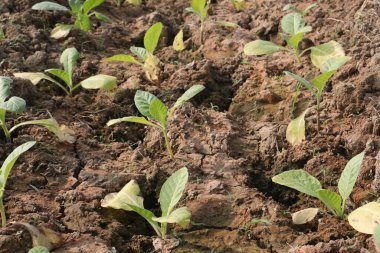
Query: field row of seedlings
point(189, 126)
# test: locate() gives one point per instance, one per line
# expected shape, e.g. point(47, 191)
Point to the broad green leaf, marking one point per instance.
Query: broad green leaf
point(178, 41)
point(5, 87)
point(61, 74)
point(303, 81)
point(10, 161)
point(39, 249)
point(102, 17)
point(139, 52)
point(158, 111)
point(62, 132)
point(299, 180)
point(148, 216)
point(142, 102)
point(88, 5)
point(104, 82)
point(294, 23)
point(365, 218)
point(133, 119)
point(127, 196)
point(49, 6)
point(320, 81)
point(349, 175)
point(14, 104)
point(180, 216)
point(304, 216)
point(75, 6)
point(334, 63)
point(152, 36)
point(69, 60)
point(123, 58)
point(83, 22)
point(151, 68)
point(198, 5)
point(322, 53)
point(172, 189)
point(376, 236)
point(332, 200)
point(295, 132)
point(204, 12)
point(261, 47)
point(60, 31)
point(295, 40)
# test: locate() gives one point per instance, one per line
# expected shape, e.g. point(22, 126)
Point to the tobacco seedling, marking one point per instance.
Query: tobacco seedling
point(150, 61)
point(157, 113)
point(200, 8)
point(18, 105)
point(6, 169)
point(81, 11)
point(302, 181)
point(69, 60)
point(129, 199)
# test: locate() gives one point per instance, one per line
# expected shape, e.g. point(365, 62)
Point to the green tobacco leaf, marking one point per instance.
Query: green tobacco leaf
point(102, 17)
point(295, 132)
point(14, 104)
point(127, 196)
point(39, 249)
point(83, 22)
point(49, 6)
point(139, 52)
point(189, 94)
point(349, 176)
point(334, 63)
point(123, 58)
point(149, 216)
point(152, 36)
point(133, 119)
point(61, 74)
point(303, 81)
point(324, 52)
point(60, 31)
point(294, 23)
point(332, 200)
point(158, 111)
point(88, 5)
point(365, 218)
point(295, 40)
point(299, 180)
point(376, 236)
point(104, 82)
point(198, 6)
point(69, 60)
point(172, 189)
point(180, 216)
point(142, 102)
point(35, 78)
point(261, 47)
point(320, 81)
point(75, 6)
point(10, 161)
point(5, 87)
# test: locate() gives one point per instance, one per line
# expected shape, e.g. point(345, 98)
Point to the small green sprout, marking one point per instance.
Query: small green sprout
point(18, 105)
point(302, 181)
point(69, 60)
point(157, 113)
point(39, 249)
point(81, 11)
point(129, 199)
point(239, 5)
point(6, 169)
point(151, 62)
point(200, 7)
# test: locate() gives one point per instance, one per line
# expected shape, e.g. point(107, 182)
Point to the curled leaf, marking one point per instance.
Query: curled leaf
point(295, 132)
point(104, 82)
point(43, 236)
point(304, 216)
point(178, 44)
point(60, 31)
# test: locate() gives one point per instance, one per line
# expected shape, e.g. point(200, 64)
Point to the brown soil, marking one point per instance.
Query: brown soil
point(231, 137)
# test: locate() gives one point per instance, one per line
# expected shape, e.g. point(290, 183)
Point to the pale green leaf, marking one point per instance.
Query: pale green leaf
point(135, 2)
point(299, 180)
point(152, 36)
point(60, 31)
point(34, 78)
point(49, 6)
point(158, 111)
point(320, 81)
point(104, 82)
point(5, 87)
point(39, 249)
point(178, 44)
point(261, 47)
point(334, 63)
point(295, 40)
point(102, 17)
point(322, 53)
point(189, 94)
point(123, 58)
point(349, 176)
point(294, 23)
point(69, 60)
point(365, 218)
point(61, 74)
point(332, 200)
point(88, 5)
point(376, 236)
point(14, 104)
point(139, 52)
point(148, 216)
point(198, 5)
point(172, 189)
point(132, 119)
point(180, 216)
point(142, 102)
point(304, 216)
point(303, 81)
point(295, 132)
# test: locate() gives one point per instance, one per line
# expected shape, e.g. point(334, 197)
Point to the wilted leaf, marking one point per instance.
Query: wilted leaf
point(152, 68)
point(104, 82)
point(43, 236)
point(178, 41)
point(180, 216)
point(304, 216)
point(295, 132)
point(365, 218)
point(60, 31)
point(49, 6)
point(123, 58)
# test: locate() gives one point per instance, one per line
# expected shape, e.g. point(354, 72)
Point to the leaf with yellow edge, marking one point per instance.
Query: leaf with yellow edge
point(304, 216)
point(178, 41)
point(295, 132)
point(365, 218)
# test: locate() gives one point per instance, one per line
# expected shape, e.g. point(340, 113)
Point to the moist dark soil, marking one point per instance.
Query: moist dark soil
point(231, 136)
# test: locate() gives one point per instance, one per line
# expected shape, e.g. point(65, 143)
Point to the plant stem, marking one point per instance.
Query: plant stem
point(6, 131)
point(318, 124)
point(163, 229)
point(167, 142)
point(202, 30)
point(2, 213)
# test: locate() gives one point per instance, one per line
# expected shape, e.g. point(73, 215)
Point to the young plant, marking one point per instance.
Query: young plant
point(69, 60)
point(302, 181)
point(157, 113)
point(150, 61)
point(81, 11)
point(18, 105)
point(239, 5)
point(129, 199)
point(200, 8)
point(6, 169)
point(39, 249)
